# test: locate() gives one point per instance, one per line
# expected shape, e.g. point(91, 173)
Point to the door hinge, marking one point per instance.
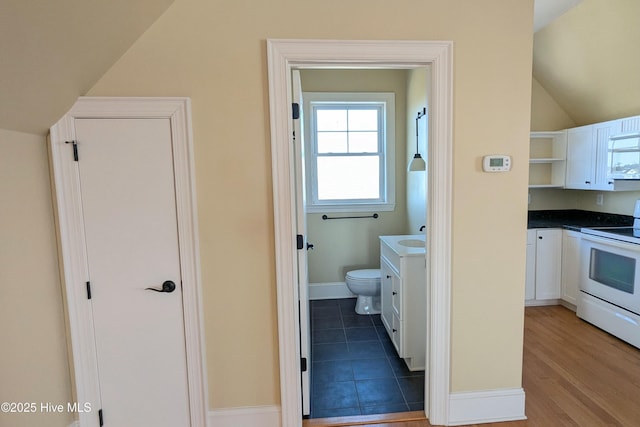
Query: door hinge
point(295, 111)
point(88, 290)
point(75, 149)
point(299, 241)
point(303, 364)
point(100, 418)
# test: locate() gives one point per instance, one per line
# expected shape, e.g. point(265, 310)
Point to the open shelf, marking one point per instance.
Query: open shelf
point(547, 159)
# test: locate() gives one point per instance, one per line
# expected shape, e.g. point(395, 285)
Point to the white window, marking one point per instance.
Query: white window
point(350, 151)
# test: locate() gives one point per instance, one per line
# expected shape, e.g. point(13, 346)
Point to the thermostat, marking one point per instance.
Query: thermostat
point(496, 163)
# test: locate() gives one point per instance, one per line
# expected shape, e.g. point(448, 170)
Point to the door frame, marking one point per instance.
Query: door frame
point(283, 56)
point(72, 249)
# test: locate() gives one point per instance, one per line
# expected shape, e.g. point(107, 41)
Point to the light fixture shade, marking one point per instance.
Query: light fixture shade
point(417, 163)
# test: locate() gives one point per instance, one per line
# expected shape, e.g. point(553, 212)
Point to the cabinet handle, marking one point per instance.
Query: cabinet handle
point(394, 330)
point(540, 237)
point(587, 182)
point(394, 293)
point(388, 277)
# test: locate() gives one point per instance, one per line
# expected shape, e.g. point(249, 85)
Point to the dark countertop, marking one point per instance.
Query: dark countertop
point(575, 219)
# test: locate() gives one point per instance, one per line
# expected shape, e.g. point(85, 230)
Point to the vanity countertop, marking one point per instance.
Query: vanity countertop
point(406, 244)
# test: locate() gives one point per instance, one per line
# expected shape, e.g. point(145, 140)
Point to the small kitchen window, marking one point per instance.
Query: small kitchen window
point(350, 151)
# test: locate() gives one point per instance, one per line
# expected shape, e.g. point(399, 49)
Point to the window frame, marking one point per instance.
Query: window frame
point(386, 102)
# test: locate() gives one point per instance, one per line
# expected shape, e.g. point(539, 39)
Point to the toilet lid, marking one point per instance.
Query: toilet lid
point(367, 274)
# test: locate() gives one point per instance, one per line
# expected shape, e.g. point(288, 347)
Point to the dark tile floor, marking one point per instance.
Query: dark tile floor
point(355, 368)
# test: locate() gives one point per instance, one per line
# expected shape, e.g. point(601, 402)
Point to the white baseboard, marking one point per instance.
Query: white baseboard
point(541, 303)
point(250, 416)
point(490, 406)
point(329, 290)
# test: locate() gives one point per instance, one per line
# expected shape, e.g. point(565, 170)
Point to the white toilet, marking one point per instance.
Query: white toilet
point(366, 285)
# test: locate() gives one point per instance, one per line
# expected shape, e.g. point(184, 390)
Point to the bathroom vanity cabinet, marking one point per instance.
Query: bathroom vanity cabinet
point(404, 296)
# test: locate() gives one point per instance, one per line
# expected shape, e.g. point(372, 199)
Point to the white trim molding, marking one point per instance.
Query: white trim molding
point(489, 406)
point(329, 290)
point(72, 248)
point(283, 57)
point(252, 416)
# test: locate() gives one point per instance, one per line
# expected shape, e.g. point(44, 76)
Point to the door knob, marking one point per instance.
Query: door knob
point(168, 286)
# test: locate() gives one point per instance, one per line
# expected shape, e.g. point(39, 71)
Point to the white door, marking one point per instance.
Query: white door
point(301, 227)
point(129, 213)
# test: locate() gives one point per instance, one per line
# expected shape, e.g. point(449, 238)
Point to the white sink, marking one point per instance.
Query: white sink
point(406, 244)
point(412, 243)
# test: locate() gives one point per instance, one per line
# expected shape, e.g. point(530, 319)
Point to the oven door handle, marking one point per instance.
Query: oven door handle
point(611, 242)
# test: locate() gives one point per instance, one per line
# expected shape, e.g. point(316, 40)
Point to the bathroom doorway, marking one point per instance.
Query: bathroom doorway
point(353, 367)
point(286, 55)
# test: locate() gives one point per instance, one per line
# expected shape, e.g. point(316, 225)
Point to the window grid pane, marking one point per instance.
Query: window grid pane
point(332, 142)
point(361, 119)
point(330, 119)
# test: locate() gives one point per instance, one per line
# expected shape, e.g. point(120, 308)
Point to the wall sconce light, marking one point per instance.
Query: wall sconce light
point(418, 163)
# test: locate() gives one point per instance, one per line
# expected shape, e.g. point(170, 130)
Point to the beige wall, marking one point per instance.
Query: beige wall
point(215, 53)
point(619, 202)
point(546, 114)
point(340, 246)
point(586, 59)
point(33, 359)
point(418, 93)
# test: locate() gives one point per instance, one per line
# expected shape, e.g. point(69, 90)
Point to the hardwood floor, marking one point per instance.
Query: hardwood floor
point(574, 374)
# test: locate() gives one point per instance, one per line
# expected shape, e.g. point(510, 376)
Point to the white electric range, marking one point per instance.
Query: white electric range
point(609, 294)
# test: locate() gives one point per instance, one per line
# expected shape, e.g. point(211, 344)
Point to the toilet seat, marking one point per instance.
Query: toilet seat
point(365, 275)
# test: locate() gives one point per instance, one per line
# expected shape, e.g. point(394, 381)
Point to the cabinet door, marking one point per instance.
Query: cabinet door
point(548, 263)
point(570, 265)
point(530, 278)
point(630, 124)
point(601, 134)
point(388, 280)
point(580, 158)
point(396, 296)
point(396, 336)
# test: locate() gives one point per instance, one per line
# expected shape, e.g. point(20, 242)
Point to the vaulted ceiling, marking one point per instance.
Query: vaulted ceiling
point(588, 60)
point(51, 52)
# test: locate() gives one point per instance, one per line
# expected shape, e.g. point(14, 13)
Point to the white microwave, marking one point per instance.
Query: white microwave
point(623, 160)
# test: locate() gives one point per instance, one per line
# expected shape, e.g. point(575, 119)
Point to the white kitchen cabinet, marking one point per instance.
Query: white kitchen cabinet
point(404, 300)
point(570, 266)
point(543, 271)
point(630, 124)
point(601, 134)
point(587, 154)
point(581, 158)
point(547, 159)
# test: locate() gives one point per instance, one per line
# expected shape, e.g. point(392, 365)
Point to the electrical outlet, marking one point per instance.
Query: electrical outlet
point(599, 199)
